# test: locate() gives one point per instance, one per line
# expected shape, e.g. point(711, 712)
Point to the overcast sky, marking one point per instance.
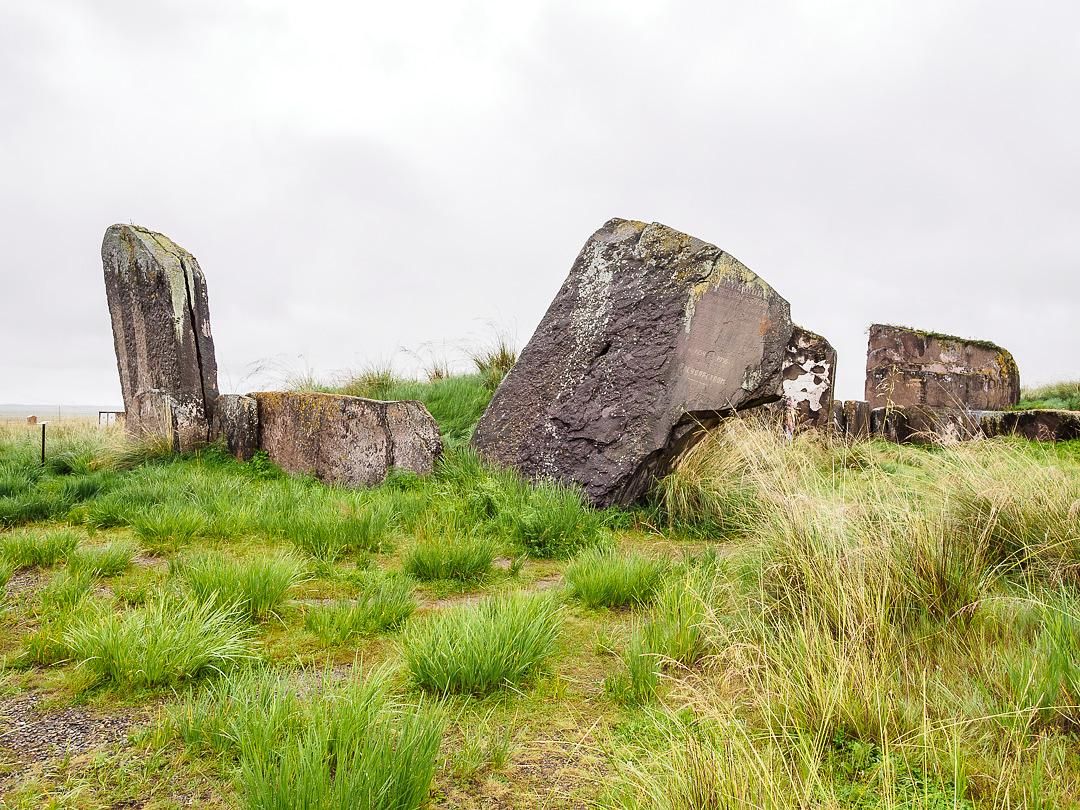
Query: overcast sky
point(357, 178)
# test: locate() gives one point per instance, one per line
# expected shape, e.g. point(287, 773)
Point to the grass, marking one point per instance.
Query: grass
point(107, 560)
point(1063, 396)
point(163, 643)
point(464, 558)
point(838, 625)
point(383, 602)
point(502, 642)
point(255, 587)
point(606, 578)
point(341, 746)
point(37, 548)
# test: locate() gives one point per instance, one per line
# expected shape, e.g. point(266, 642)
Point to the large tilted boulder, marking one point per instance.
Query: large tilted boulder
point(161, 330)
point(653, 335)
point(346, 440)
point(910, 367)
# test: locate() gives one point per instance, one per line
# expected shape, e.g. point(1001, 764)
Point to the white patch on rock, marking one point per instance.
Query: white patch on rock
point(806, 387)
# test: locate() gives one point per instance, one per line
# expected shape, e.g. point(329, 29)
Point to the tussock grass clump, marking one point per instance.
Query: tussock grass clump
point(1015, 511)
point(710, 493)
point(465, 558)
point(553, 521)
point(501, 642)
point(65, 591)
point(677, 633)
point(103, 561)
point(606, 578)
point(383, 603)
point(495, 361)
point(162, 643)
point(255, 587)
point(328, 531)
point(168, 527)
point(37, 548)
point(345, 746)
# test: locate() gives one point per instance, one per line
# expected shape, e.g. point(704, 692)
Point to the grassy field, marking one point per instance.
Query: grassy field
point(1060, 396)
point(786, 625)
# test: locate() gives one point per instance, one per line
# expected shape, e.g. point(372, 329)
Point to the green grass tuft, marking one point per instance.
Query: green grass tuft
point(476, 649)
point(255, 587)
point(162, 643)
point(35, 548)
point(606, 578)
point(103, 561)
point(382, 603)
point(340, 746)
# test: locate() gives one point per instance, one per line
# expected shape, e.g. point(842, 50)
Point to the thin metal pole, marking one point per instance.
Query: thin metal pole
point(43, 444)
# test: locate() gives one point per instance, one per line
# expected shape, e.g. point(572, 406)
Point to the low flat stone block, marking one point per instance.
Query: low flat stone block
point(344, 440)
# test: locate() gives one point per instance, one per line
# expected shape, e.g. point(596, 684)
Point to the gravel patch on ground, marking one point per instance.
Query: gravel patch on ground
point(25, 581)
point(34, 733)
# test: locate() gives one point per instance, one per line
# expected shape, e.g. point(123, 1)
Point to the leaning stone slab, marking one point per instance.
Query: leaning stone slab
point(346, 440)
point(161, 330)
point(908, 367)
point(236, 423)
point(653, 336)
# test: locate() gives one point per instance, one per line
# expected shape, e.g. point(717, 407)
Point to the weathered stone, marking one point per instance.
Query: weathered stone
point(653, 336)
point(837, 423)
point(161, 331)
point(236, 422)
point(346, 440)
point(1042, 425)
point(889, 423)
point(924, 424)
point(907, 367)
point(856, 419)
point(153, 414)
point(31, 420)
point(809, 371)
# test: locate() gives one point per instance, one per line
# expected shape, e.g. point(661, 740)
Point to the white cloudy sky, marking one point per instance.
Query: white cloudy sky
point(360, 177)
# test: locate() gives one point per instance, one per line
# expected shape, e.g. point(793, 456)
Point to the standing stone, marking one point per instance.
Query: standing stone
point(653, 337)
point(809, 371)
point(856, 419)
point(346, 440)
point(31, 420)
point(161, 330)
point(910, 367)
point(236, 423)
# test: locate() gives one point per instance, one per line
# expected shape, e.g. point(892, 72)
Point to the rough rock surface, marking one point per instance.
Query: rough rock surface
point(236, 422)
point(161, 330)
point(908, 367)
point(856, 415)
point(346, 440)
point(653, 335)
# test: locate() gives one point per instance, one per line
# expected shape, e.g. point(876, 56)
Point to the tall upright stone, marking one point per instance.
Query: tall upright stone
point(161, 330)
point(809, 372)
point(653, 336)
point(909, 367)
